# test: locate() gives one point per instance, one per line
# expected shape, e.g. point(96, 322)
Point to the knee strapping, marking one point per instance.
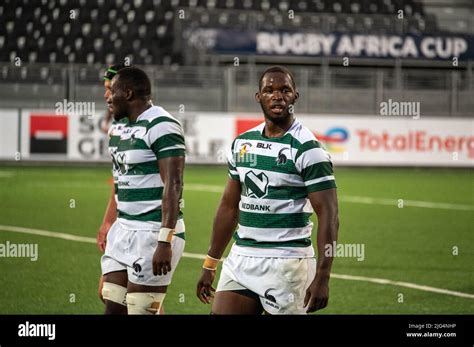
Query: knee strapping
point(114, 292)
point(145, 303)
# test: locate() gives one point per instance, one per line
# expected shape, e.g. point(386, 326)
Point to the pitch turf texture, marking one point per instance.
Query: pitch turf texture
point(409, 244)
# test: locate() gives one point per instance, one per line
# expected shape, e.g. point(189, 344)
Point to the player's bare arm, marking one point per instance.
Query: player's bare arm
point(325, 205)
point(225, 222)
point(109, 219)
point(171, 171)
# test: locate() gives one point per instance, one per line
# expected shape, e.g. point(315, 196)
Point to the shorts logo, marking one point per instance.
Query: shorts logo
point(268, 296)
point(282, 159)
point(137, 267)
point(270, 299)
point(256, 185)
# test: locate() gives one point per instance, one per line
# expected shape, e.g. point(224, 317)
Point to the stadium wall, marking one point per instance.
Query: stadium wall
point(43, 135)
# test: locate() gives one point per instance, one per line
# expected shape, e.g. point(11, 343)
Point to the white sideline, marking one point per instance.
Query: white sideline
point(209, 188)
point(70, 237)
point(356, 199)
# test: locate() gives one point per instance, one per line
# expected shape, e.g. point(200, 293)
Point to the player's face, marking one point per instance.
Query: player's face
point(277, 96)
point(107, 89)
point(107, 93)
point(117, 101)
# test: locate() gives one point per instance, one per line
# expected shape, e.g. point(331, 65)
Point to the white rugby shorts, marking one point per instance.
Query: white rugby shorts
point(133, 250)
point(280, 283)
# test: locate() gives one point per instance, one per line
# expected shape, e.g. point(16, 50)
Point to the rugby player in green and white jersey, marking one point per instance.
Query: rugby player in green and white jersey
point(113, 131)
point(278, 174)
point(146, 242)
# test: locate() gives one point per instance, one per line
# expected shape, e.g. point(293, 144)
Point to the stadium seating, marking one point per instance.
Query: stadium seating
point(104, 31)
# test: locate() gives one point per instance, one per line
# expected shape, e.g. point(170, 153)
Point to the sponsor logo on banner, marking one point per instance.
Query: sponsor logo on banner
point(414, 141)
point(335, 44)
point(361, 45)
point(88, 142)
point(48, 134)
point(334, 139)
point(244, 124)
point(368, 140)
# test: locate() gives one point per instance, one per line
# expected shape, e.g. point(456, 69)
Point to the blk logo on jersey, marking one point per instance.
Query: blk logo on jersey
point(264, 145)
point(256, 185)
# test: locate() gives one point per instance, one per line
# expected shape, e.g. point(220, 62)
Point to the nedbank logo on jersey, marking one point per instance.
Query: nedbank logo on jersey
point(256, 185)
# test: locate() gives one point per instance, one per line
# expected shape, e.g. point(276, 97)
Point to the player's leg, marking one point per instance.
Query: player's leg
point(114, 272)
point(282, 287)
point(101, 286)
point(114, 292)
point(236, 302)
point(145, 300)
point(231, 297)
point(147, 292)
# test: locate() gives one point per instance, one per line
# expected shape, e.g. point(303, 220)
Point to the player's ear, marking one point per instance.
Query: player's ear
point(297, 95)
point(128, 94)
point(257, 97)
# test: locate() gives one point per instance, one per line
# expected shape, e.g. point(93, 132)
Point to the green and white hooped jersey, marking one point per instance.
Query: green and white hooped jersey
point(276, 175)
point(115, 130)
point(153, 136)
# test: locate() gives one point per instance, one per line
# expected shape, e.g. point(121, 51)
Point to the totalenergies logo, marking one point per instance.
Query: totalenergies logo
point(334, 139)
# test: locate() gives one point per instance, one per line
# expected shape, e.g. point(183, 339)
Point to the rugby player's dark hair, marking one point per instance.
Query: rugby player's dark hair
point(135, 79)
point(277, 68)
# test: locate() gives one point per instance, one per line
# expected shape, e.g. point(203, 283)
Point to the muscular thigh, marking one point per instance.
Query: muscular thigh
point(117, 277)
point(236, 302)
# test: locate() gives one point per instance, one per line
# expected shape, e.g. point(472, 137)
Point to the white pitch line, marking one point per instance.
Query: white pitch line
point(71, 237)
point(57, 235)
point(357, 199)
point(76, 238)
point(203, 188)
point(403, 284)
point(410, 203)
point(208, 188)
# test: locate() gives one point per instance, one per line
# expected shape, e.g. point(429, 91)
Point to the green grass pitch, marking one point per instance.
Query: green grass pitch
point(409, 244)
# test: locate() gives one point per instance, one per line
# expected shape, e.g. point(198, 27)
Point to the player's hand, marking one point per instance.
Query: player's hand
point(102, 236)
point(317, 295)
point(162, 259)
point(101, 285)
point(204, 290)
